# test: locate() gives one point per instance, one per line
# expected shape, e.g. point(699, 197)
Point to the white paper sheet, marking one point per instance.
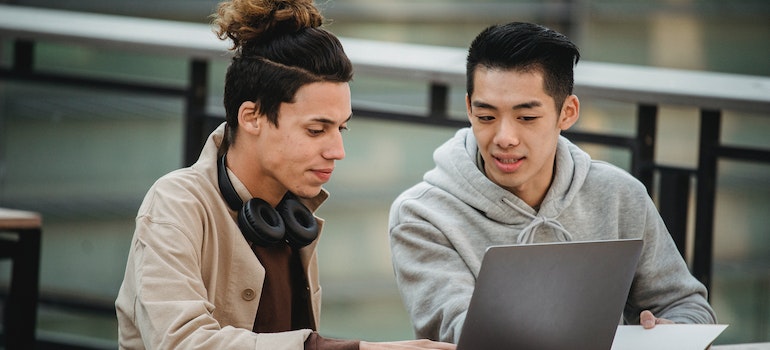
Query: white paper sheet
point(667, 336)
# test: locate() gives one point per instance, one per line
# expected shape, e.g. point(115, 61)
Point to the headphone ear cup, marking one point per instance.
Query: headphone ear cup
point(260, 223)
point(301, 226)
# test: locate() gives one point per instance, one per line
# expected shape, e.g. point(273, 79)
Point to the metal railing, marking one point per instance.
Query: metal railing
point(441, 69)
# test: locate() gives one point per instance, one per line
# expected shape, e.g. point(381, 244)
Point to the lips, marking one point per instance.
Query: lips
point(323, 174)
point(507, 160)
point(508, 164)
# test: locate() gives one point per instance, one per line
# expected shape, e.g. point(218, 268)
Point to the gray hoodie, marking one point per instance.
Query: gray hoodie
point(441, 227)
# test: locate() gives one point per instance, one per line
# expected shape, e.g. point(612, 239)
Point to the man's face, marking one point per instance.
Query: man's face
point(301, 151)
point(517, 127)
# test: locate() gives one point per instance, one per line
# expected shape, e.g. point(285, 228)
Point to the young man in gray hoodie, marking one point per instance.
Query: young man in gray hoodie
point(511, 178)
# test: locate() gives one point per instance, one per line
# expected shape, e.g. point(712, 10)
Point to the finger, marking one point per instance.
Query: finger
point(429, 344)
point(647, 319)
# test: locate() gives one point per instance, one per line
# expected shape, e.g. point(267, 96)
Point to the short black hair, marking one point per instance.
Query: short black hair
point(526, 47)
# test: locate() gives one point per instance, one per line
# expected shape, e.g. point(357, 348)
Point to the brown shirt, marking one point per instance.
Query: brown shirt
point(285, 302)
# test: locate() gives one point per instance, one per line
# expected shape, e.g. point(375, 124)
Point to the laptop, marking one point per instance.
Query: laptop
point(567, 295)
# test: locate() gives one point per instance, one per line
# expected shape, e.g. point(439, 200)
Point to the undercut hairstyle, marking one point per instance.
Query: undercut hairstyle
point(526, 47)
point(279, 46)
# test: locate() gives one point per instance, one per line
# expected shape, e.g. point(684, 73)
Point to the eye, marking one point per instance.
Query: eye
point(315, 132)
point(485, 118)
point(344, 128)
point(528, 118)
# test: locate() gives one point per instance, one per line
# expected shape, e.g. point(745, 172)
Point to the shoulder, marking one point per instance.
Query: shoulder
point(608, 183)
point(181, 186)
point(420, 198)
point(180, 199)
point(605, 175)
point(412, 195)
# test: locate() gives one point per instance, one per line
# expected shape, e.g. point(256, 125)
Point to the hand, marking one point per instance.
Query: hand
point(648, 320)
point(407, 344)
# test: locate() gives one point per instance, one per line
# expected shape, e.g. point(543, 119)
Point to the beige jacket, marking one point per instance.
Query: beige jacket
point(192, 280)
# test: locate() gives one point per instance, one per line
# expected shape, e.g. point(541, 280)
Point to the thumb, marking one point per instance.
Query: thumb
point(647, 319)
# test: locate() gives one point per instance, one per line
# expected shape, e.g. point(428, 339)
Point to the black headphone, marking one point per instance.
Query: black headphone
point(261, 224)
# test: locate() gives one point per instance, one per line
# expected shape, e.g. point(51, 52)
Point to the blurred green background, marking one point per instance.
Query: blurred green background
point(84, 158)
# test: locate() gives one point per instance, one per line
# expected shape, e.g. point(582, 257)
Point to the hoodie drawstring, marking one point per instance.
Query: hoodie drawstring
point(527, 234)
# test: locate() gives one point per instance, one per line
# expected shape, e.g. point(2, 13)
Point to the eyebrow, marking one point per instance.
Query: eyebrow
point(524, 105)
point(481, 104)
point(528, 105)
point(329, 121)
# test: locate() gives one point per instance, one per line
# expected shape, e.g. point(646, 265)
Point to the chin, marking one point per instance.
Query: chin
point(307, 192)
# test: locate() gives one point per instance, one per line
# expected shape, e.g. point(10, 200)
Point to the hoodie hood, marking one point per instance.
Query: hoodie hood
point(458, 173)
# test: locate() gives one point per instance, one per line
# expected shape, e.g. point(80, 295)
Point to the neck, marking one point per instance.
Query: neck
point(250, 174)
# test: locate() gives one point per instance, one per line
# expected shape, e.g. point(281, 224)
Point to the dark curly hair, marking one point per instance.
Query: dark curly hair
point(279, 46)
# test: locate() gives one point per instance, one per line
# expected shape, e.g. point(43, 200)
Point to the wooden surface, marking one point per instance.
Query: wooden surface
point(19, 219)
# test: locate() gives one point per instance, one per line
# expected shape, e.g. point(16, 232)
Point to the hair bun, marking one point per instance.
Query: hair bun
point(249, 22)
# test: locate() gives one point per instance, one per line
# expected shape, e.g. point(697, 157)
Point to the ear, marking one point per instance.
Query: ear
point(570, 112)
point(249, 117)
point(468, 107)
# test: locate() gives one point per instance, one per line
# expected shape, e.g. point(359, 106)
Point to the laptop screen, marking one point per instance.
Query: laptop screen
point(567, 295)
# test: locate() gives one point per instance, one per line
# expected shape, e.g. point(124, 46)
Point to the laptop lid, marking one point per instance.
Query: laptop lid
point(567, 295)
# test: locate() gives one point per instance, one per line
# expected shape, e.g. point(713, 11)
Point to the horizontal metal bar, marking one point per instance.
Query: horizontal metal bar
point(365, 112)
point(604, 139)
point(97, 83)
point(430, 63)
point(676, 169)
point(744, 153)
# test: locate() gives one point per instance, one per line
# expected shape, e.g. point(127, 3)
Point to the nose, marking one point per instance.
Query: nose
point(506, 134)
point(335, 150)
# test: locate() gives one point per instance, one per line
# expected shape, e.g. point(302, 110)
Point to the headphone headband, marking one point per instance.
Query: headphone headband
point(226, 187)
point(262, 224)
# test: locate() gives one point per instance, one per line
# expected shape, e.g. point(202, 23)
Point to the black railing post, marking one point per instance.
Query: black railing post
point(23, 55)
point(673, 197)
point(703, 248)
point(439, 101)
point(195, 110)
point(643, 157)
